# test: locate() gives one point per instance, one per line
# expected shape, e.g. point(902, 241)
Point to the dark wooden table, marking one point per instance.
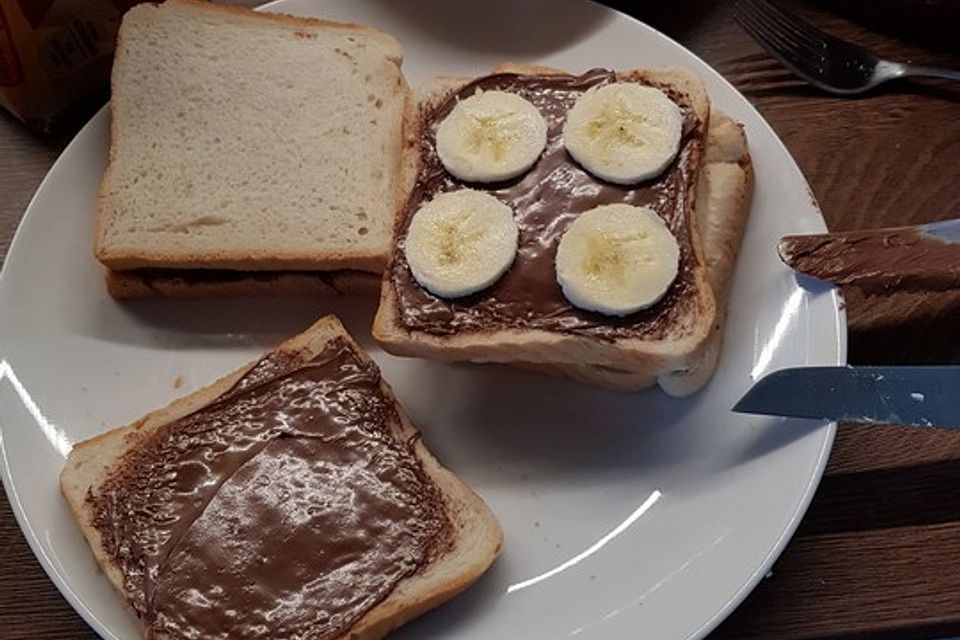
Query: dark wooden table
point(876, 555)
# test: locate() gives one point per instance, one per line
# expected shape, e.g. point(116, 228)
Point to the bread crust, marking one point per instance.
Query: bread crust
point(282, 18)
point(649, 357)
point(477, 538)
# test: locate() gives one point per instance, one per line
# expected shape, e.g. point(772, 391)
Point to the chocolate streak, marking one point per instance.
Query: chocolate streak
point(876, 261)
point(286, 509)
point(545, 201)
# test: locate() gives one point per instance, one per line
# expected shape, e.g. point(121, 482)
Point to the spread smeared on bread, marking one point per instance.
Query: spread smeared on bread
point(291, 499)
point(545, 201)
point(286, 504)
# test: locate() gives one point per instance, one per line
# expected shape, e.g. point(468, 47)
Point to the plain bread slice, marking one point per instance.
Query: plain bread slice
point(249, 140)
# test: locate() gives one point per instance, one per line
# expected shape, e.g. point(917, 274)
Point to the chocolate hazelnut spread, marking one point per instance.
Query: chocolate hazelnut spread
point(287, 508)
point(877, 261)
point(151, 275)
point(545, 201)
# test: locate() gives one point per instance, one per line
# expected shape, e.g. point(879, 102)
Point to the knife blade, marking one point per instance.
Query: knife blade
point(916, 258)
point(923, 395)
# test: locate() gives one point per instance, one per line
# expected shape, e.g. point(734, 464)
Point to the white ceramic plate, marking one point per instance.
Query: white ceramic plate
point(624, 514)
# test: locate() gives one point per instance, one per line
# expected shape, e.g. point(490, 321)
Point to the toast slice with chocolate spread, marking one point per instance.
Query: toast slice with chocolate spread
point(523, 318)
point(292, 498)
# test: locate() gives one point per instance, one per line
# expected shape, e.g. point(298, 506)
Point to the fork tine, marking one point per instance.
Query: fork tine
point(788, 58)
point(833, 64)
point(751, 9)
point(792, 22)
point(762, 32)
point(775, 45)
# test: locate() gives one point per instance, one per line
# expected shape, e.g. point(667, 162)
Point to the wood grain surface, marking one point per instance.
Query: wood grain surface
point(875, 556)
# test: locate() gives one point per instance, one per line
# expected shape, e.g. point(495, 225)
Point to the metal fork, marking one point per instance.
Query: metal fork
point(823, 60)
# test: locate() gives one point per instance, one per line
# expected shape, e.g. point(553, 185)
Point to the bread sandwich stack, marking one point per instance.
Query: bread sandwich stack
point(584, 226)
point(250, 153)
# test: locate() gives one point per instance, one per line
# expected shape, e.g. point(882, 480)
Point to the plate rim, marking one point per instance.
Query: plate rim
point(733, 601)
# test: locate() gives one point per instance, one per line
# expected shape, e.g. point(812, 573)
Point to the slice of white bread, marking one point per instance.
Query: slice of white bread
point(679, 350)
point(723, 206)
point(213, 283)
point(249, 140)
point(476, 538)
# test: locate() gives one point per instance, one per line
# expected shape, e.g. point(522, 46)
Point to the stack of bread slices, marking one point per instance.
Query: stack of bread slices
point(250, 153)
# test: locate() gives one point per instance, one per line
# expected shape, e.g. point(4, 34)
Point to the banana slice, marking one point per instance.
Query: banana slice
point(461, 242)
point(617, 259)
point(491, 136)
point(623, 132)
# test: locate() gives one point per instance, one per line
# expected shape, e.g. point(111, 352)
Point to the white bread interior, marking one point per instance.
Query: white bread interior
point(249, 140)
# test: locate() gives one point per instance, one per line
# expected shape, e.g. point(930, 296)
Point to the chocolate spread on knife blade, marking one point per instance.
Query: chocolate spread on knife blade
point(876, 261)
point(287, 508)
point(545, 201)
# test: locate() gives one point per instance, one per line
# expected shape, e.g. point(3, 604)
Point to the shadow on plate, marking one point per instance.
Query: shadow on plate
point(679, 19)
point(469, 25)
point(449, 619)
point(504, 426)
point(774, 434)
point(509, 425)
point(517, 426)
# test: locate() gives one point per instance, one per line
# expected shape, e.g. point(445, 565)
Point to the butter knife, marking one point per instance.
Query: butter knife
point(924, 395)
point(916, 258)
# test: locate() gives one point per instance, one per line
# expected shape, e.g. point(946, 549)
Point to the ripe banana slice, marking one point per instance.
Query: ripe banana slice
point(461, 242)
point(617, 259)
point(491, 136)
point(623, 132)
